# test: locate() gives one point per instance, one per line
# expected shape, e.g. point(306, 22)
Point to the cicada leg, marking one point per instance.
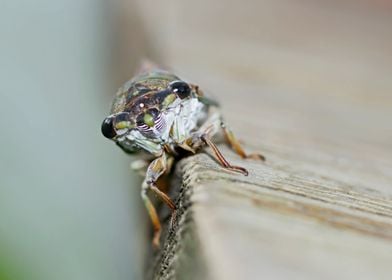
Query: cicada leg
point(152, 212)
point(221, 159)
point(204, 135)
point(236, 146)
point(156, 168)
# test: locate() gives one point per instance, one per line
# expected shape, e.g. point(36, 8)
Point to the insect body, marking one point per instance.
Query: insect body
point(159, 114)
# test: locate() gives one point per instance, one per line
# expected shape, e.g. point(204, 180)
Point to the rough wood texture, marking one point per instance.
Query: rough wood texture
point(309, 85)
point(275, 224)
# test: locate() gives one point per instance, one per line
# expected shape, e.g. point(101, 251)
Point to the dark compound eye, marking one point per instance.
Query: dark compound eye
point(107, 128)
point(180, 88)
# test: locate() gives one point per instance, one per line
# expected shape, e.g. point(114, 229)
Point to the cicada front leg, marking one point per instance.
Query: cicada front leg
point(221, 159)
point(204, 137)
point(156, 168)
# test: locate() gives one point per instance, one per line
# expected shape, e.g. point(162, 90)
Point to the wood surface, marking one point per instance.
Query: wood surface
point(308, 84)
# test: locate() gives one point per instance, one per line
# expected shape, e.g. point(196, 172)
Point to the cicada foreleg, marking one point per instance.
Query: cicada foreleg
point(204, 137)
point(156, 168)
point(221, 159)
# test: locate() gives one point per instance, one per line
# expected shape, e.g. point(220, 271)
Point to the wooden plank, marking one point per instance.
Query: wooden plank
point(275, 224)
point(308, 85)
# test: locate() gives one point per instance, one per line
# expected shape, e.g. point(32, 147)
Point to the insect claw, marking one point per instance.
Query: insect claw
point(221, 159)
point(186, 147)
point(242, 170)
point(256, 157)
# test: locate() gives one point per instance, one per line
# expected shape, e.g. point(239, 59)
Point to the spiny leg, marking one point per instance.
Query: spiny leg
point(152, 212)
point(221, 158)
point(156, 168)
point(236, 146)
point(204, 135)
point(140, 165)
point(166, 199)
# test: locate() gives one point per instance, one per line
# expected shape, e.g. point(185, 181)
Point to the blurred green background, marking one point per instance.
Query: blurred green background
point(69, 207)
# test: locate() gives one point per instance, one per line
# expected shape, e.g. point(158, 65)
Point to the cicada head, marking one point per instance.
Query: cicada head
point(144, 111)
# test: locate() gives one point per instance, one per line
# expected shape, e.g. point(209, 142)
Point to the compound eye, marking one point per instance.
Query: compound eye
point(180, 88)
point(147, 118)
point(107, 128)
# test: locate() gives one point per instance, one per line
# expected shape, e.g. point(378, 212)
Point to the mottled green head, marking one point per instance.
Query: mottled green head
point(142, 105)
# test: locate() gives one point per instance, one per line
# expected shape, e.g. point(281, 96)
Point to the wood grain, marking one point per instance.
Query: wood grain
point(308, 84)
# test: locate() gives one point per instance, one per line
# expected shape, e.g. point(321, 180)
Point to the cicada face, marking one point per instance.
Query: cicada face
point(145, 110)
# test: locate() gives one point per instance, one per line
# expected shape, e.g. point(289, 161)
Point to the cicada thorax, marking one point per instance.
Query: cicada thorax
point(149, 82)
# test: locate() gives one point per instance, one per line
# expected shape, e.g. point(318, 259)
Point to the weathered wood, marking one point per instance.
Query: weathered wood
point(310, 89)
point(274, 224)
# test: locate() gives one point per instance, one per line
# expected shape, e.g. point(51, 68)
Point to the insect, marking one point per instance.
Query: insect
point(158, 114)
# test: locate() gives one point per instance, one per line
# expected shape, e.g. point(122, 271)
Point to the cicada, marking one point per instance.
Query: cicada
point(159, 114)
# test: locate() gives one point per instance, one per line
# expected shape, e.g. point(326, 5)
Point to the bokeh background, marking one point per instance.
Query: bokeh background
point(69, 207)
